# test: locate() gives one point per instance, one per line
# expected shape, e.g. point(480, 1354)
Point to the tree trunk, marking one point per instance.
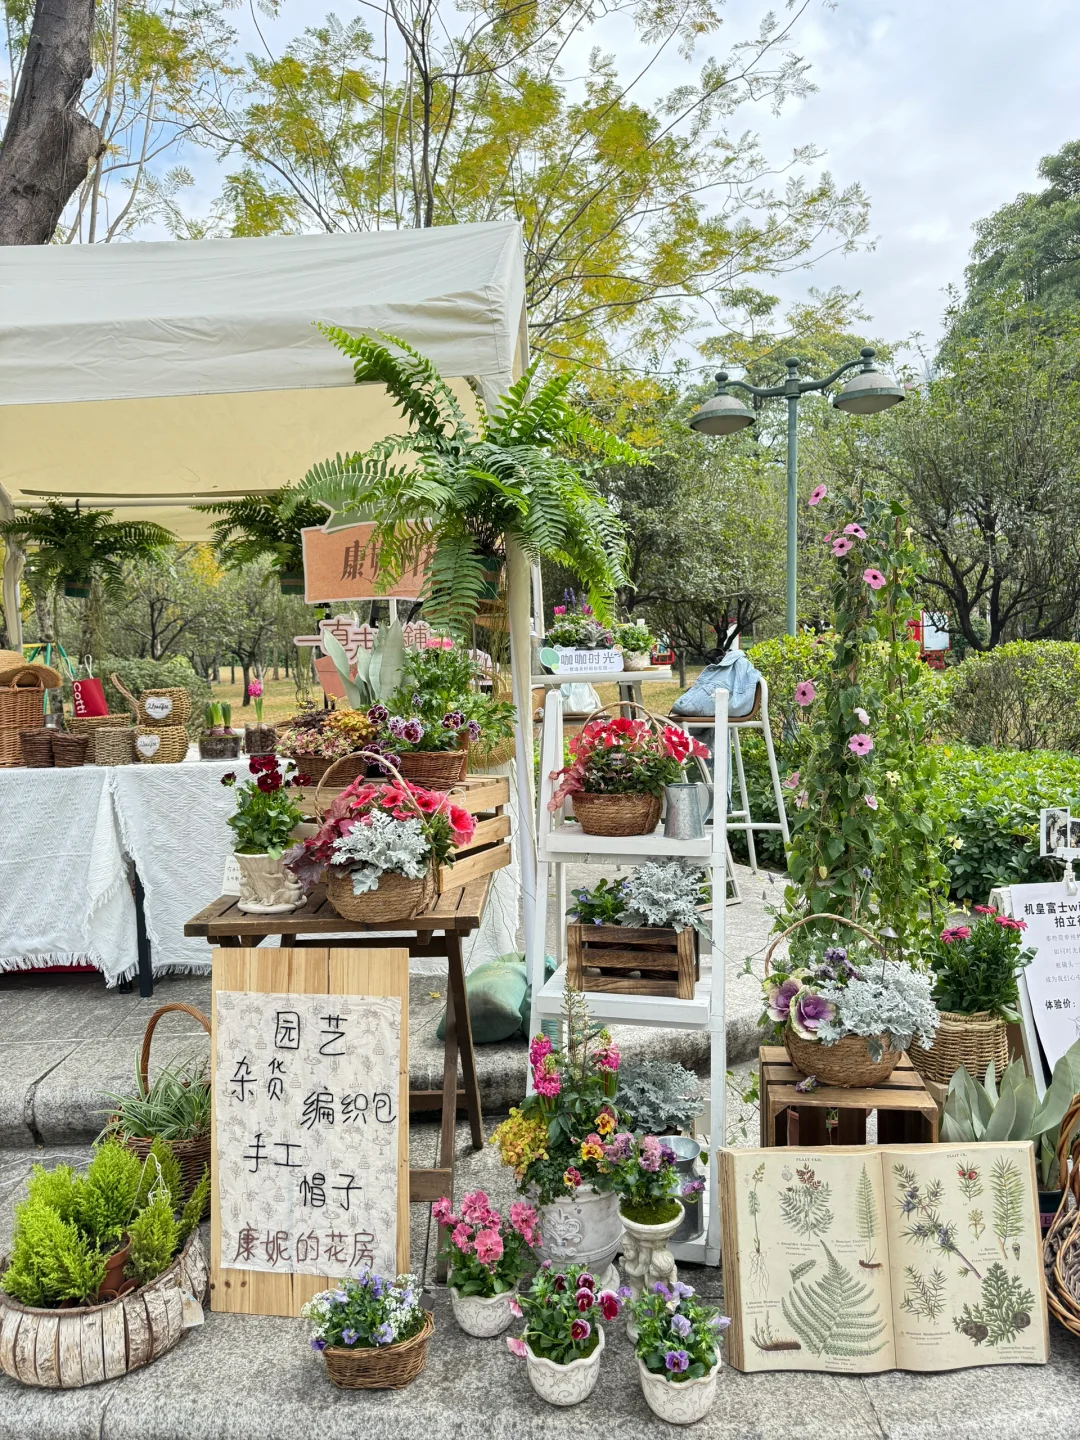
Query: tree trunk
point(232, 674)
point(49, 145)
point(246, 669)
point(681, 661)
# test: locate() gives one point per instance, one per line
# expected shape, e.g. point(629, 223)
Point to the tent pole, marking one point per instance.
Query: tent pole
point(14, 559)
point(519, 590)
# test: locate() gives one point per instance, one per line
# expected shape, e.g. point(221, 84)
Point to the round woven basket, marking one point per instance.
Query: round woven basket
point(36, 748)
point(434, 769)
point(395, 898)
point(346, 769)
point(114, 745)
point(22, 707)
point(171, 746)
point(69, 751)
point(380, 1367)
point(193, 1155)
point(626, 814)
point(89, 725)
point(974, 1041)
point(219, 747)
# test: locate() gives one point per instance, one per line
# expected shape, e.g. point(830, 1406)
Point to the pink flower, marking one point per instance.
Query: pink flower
point(489, 1246)
point(523, 1218)
point(805, 693)
point(539, 1046)
point(1007, 924)
point(572, 1177)
point(955, 932)
point(516, 1347)
point(873, 578)
point(985, 910)
point(255, 688)
point(792, 781)
point(871, 800)
point(609, 1304)
point(863, 717)
point(559, 610)
point(817, 495)
point(856, 530)
point(860, 744)
point(546, 1079)
point(580, 1330)
point(779, 1000)
point(584, 1300)
point(802, 800)
point(841, 545)
point(442, 1210)
point(514, 1308)
point(649, 1153)
point(608, 1057)
point(461, 1236)
point(475, 1208)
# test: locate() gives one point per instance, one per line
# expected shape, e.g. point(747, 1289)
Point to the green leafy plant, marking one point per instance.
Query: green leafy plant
point(602, 904)
point(976, 966)
point(634, 636)
point(366, 1312)
point(1004, 1311)
point(449, 682)
point(72, 546)
point(563, 1310)
point(662, 1097)
point(194, 1207)
point(51, 1259)
point(833, 1315)
point(924, 1294)
point(254, 527)
point(805, 1206)
point(677, 1336)
point(1019, 696)
point(378, 670)
point(465, 491)
point(266, 813)
point(154, 1235)
point(176, 1106)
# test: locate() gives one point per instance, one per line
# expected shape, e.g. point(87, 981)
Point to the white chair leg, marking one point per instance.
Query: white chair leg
point(751, 849)
point(778, 794)
point(735, 896)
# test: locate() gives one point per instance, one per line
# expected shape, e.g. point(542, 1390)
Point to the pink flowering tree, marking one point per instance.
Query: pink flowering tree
point(866, 838)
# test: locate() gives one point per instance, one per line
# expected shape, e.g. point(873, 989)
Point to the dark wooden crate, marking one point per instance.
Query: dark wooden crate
point(606, 957)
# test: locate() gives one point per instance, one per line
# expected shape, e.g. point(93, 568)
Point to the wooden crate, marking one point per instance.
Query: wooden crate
point(906, 1113)
point(619, 960)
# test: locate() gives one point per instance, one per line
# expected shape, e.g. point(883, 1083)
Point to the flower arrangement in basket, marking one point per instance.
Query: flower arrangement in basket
point(847, 1013)
point(487, 1257)
point(379, 846)
point(563, 1338)
point(678, 1351)
point(372, 1332)
point(975, 968)
point(617, 772)
point(316, 738)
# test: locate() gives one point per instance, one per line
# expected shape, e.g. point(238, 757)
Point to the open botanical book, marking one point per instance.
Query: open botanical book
point(857, 1259)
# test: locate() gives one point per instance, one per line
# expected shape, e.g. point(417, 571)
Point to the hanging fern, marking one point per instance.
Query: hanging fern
point(1007, 1187)
point(833, 1315)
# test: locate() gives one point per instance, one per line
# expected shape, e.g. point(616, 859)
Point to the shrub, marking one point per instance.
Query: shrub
point(140, 675)
point(1025, 696)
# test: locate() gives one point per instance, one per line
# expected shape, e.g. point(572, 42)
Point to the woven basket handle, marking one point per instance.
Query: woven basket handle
point(824, 915)
point(659, 722)
point(376, 758)
point(21, 674)
point(151, 1026)
point(127, 696)
point(1069, 1141)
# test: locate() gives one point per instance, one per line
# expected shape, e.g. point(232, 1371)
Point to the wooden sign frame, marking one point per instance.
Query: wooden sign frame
point(305, 971)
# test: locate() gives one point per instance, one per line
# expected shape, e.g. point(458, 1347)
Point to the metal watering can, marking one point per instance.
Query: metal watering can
point(689, 804)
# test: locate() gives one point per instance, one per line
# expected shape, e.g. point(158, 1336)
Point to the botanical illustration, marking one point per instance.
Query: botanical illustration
point(970, 1181)
point(759, 1274)
point(866, 1217)
point(835, 1314)
point(921, 1203)
point(1007, 1187)
point(1005, 1309)
point(764, 1338)
point(976, 1223)
point(805, 1205)
point(923, 1294)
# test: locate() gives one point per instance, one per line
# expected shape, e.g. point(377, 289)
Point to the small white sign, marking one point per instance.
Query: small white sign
point(158, 707)
point(1052, 918)
point(595, 662)
point(230, 881)
point(148, 745)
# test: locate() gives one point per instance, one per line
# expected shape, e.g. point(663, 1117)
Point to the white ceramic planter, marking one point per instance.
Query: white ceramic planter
point(636, 660)
point(681, 1402)
point(647, 1259)
point(266, 887)
point(480, 1316)
point(565, 1384)
point(584, 1229)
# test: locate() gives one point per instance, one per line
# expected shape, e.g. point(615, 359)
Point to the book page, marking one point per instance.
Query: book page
point(965, 1253)
point(810, 1276)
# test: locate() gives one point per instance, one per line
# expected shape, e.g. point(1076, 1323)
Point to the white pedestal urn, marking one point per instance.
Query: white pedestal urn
point(679, 1402)
point(565, 1384)
point(583, 1229)
point(482, 1316)
point(266, 887)
point(647, 1259)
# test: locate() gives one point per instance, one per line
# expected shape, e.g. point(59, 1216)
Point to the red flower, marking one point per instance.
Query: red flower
point(584, 1299)
point(985, 910)
point(1007, 924)
point(609, 1304)
point(302, 780)
point(586, 1282)
point(268, 783)
point(259, 764)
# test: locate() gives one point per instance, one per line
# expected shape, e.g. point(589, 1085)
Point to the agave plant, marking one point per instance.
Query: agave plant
point(71, 547)
point(465, 490)
point(255, 526)
point(378, 670)
point(1012, 1110)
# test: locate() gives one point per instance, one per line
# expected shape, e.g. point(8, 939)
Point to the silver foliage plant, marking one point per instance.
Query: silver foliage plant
point(891, 1000)
point(662, 1096)
point(382, 844)
point(665, 894)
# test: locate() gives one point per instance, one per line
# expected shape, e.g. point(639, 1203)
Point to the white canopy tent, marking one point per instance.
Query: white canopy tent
point(146, 378)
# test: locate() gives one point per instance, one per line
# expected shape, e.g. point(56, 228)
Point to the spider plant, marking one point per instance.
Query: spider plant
point(255, 526)
point(176, 1106)
point(465, 490)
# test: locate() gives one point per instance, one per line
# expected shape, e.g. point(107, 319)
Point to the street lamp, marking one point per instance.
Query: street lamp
point(871, 390)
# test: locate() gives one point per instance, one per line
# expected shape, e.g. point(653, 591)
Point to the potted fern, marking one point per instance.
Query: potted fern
point(258, 527)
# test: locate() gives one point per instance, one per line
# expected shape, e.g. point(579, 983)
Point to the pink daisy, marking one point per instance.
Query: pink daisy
point(873, 578)
point(841, 545)
point(856, 530)
point(805, 693)
point(817, 495)
point(861, 744)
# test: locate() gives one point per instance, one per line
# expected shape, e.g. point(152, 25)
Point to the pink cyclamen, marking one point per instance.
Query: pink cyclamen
point(817, 495)
point(873, 578)
point(805, 693)
point(861, 744)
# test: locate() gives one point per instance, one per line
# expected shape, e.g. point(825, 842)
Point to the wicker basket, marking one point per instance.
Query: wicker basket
point(625, 814)
point(847, 1063)
point(974, 1041)
point(69, 751)
point(36, 748)
point(315, 767)
point(160, 744)
point(434, 769)
point(1060, 1253)
point(380, 1367)
point(114, 745)
point(22, 707)
point(395, 898)
point(219, 747)
point(89, 725)
point(152, 706)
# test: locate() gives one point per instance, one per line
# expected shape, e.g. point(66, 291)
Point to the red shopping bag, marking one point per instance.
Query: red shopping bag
point(89, 697)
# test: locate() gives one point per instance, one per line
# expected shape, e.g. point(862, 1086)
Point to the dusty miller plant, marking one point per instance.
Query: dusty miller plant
point(662, 1096)
point(665, 894)
point(892, 1000)
point(381, 843)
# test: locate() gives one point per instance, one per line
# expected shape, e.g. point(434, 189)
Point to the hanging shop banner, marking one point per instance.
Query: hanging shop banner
point(1052, 980)
point(344, 565)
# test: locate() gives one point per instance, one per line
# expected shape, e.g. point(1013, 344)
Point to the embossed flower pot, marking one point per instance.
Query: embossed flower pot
point(584, 1229)
point(565, 1384)
point(266, 887)
point(482, 1316)
point(679, 1402)
point(647, 1260)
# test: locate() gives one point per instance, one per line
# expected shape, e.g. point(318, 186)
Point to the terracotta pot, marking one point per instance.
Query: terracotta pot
point(583, 1229)
point(679, 1402)
point(565, 1384)
point(482, 1316)
point(266, 887)
point(113, 1282)
point(647, 1260)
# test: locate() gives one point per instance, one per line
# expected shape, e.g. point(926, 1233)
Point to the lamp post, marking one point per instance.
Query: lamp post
point(871, 390)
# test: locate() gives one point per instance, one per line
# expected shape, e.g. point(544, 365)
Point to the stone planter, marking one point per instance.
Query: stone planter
point(679, 1402)
point(266, 887)
point(565, 1384)
point(646, 1257)
point(583, 1230)
point(482, 1317)
point(636, 660)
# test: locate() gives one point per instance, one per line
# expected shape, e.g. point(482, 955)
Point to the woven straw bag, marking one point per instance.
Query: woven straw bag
point(380, 1367)
point(848, 1063)
point(166, 708)
point(974, 1041)
point(22, 707)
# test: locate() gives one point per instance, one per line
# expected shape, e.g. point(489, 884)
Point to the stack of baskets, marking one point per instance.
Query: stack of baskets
point(160, 736)
point(22, 702)
point(110, 739)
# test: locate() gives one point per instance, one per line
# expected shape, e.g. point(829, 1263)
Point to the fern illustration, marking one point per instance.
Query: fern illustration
point(833, 1315)
point(866, 1218)
point(1007, 1187)
point(924, 1294)
point(759, 1272)
point(805, 1205)
point(764, 1338)
point(798, 1271)
point(1004, 1311)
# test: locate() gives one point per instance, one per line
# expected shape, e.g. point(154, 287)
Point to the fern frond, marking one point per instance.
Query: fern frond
point(414, 384)
point(833, 1315)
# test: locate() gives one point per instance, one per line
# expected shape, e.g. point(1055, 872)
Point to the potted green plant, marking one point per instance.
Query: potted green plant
point(316, 739)
point(678, 1352)
point(259, 739)
point(218, 740)
point(72, 547)
point(93, 1258)
point(256, 527)
point(617, 773)
point(174, 1107)
point(576, 641)
point(486, 1257)
point(372, 1332)
point(975, 969)
point(636, 642)
point(263, 823)
point(441, 683)
point(563, 1341)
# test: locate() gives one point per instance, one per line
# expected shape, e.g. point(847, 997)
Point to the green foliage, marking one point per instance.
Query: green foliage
point(194, 1207)
point(160, 1169)
point(266, 814)
point(1007, 1188)
point(449, 681)
point(76, 546)
point(805, 1206)
point(378, 670)
point(254, 527)
point(1020, 696)
point(832, 1315)
point(601, 904)
point(108, 1195)
point(176, 1106)
point(661, 1097)
point(154, 1237)
point(140, 675)
point(696, 1333)
point(1004, 1311)
point(924, 1294)
point(979, 973)
point(51, 1259)
point(866, 1215)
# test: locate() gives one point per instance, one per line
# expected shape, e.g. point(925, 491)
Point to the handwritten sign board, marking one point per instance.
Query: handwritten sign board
point(344, 565)
point(1052, 980)
point(310, 1098)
